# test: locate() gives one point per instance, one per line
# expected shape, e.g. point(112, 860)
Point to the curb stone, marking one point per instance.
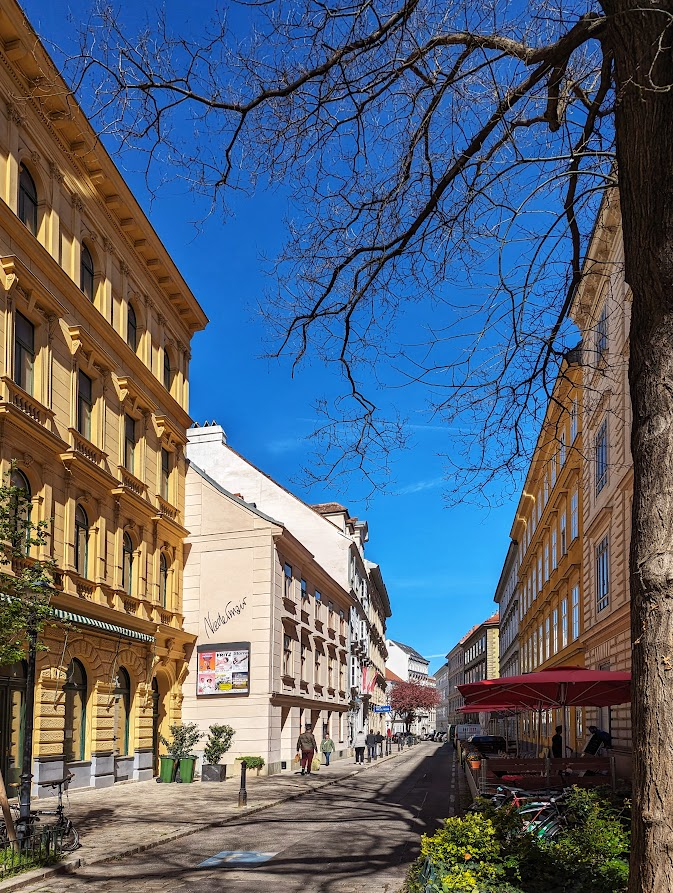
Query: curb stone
point(72, 865)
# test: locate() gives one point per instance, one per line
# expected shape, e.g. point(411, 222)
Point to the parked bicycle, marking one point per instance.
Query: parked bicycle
point(541, 812)
point(63, 826)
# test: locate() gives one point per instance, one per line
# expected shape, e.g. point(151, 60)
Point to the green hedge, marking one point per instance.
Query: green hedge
point(489, 852)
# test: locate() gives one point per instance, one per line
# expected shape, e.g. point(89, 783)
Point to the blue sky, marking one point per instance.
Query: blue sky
point(440, 564)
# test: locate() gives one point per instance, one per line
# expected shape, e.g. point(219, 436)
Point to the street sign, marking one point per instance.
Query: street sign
point(383, 708)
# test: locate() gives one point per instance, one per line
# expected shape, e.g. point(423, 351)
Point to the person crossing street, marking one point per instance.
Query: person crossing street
point(306, 747)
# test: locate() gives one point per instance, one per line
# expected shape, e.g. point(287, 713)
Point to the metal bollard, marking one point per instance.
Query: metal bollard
point(243, 793)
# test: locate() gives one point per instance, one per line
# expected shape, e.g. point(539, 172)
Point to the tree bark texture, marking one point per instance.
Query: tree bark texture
point(640, 34)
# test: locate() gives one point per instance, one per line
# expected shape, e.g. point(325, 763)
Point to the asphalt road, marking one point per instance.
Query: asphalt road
point(357, 836)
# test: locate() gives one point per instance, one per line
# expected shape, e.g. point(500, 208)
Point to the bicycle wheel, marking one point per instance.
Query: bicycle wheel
point(70, 839)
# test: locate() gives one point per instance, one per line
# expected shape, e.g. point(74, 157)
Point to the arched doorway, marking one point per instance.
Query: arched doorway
point(12, 723)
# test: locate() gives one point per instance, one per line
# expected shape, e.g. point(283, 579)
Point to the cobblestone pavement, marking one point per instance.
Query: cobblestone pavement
point(355, 836)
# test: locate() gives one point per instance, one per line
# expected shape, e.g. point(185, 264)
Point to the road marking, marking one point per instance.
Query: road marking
point(236, 857)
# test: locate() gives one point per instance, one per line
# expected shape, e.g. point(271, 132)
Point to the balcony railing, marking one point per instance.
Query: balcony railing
point(85, 448)
point(167, 510)
point(131, 483)
point(26, 403)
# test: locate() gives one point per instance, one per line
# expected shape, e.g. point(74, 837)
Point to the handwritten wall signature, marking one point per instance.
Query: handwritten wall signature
point(231, 610)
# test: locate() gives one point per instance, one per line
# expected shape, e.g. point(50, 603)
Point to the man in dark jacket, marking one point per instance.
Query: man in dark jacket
point(371, 746)
point(306, 746)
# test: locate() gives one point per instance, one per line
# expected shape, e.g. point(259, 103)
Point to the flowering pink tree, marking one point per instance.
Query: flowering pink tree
point(407, 698)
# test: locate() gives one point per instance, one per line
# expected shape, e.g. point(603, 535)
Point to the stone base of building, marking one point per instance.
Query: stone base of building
point(102, 771)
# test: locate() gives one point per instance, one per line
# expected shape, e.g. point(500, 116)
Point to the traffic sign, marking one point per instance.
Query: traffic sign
point(382, 708)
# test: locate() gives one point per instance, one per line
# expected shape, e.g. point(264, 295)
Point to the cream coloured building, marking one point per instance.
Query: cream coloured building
point(335, 538)
point(95, 328)
point(272, 629)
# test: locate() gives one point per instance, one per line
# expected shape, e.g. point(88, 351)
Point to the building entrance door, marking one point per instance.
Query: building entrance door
point(156, 719)
point(12, 723)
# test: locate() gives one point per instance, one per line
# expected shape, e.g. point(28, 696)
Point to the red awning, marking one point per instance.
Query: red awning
point(555, 687)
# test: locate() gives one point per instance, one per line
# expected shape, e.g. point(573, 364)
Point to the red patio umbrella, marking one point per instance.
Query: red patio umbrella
point(556, 687)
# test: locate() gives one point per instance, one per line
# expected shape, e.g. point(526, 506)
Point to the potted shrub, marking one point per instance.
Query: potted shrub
point(253, 762)
point(474, 760)
point(184, 737)
point(218, 743)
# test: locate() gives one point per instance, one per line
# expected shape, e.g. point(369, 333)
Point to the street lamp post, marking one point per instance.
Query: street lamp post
point(26, 777)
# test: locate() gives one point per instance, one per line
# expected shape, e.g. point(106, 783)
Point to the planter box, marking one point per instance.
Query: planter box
point(213, 773)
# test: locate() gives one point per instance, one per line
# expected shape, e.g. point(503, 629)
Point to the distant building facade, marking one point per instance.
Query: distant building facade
point(507, 599)
point(442, 713)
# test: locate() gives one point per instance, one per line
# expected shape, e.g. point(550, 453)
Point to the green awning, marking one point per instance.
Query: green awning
point(69, 617)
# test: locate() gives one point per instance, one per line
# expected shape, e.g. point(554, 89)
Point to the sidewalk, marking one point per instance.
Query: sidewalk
point(131, 817)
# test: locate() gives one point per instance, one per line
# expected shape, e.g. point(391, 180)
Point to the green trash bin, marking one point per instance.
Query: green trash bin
point(186, 771)
point(166, 769)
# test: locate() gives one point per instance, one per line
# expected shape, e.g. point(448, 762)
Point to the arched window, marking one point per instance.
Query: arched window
point(21, 509)
point(132, 329)
point(168, 372)
point(74, 688)
point(81, 542)
point(86, 273)
point(27, 200)
point(122, 713)
point(163, 580)
point(127, 564)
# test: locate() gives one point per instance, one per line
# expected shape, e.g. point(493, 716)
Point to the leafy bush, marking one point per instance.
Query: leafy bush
point(488, 852)
point(184, 738)
point(218, 743)
point(253, 762)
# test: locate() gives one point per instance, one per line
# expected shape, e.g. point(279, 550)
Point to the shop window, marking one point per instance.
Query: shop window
point(127, 564)
point(27, 200)
point(74, 690)
point(86, 273)
point(81, 542)
point(163, 580)
point(24, 352)
point(122, 713)
point(84, 404)
point(132, 329)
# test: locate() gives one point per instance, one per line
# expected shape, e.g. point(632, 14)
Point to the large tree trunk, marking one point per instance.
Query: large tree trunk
point(641, 34)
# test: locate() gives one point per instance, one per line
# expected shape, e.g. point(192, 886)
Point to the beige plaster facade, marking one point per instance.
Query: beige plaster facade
point(95, 328)
point(249, 583)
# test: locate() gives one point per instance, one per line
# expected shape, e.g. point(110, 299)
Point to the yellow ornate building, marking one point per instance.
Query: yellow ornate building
point(602, 312)
point(95, 328)
point(548, 527)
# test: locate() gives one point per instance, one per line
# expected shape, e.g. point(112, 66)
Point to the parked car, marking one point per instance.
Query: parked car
point(487, 744)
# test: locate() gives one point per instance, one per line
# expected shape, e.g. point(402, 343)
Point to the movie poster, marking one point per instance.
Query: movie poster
point(223, 669)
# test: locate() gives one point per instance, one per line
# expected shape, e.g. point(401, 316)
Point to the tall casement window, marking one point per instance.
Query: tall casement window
point(602, 574)
point(84, 404)
point(24, 352)
point(287, 580)
point(575, 596)
point(127, 564)
point(601, 449)
point(554, 549)
point(132, 329)
point(27, 200)
point(554, 631)
point(86, 273)
point(562, 449)
point(122, 713)
point(21, 509)
point(81, 542)
point(573, 420)
point(74, 689)
point(562, 532)
point(168, 372)
point(602, 332)
point(547, 639)
point(317, 678)
point(287, 655)
point(163, 580)
point(165, 473)
point(304, 588)
point(564, 622)
point(129, 443)
point(574, 518)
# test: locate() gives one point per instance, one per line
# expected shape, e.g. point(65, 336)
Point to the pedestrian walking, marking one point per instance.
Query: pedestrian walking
point(371, 746)
point(379, 743)
point(359, 742)
point(557, 743)
point(327, 748)
point(306, 746)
